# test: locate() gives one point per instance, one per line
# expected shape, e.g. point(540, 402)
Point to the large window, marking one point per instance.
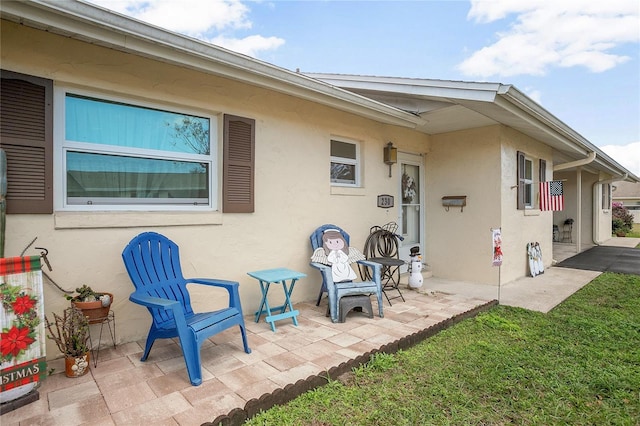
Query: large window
point(120, 155)
point(345, 163)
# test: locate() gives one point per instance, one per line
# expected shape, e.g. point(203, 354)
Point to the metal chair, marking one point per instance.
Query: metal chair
point(153, 264)
point(337, 290)
point(382, 247)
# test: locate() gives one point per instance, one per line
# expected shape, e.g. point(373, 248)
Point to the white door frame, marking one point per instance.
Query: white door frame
point(405, 158)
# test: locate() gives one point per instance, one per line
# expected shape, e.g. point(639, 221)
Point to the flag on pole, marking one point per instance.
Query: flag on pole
point(496, 237)
point(551, 195)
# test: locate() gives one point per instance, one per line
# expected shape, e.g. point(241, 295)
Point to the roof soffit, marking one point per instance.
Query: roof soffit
point(450, 106)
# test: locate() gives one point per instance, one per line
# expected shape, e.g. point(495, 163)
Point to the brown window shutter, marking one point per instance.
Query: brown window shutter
point(239, 161)
point(26, 136)
point(542, 173)
point(520, 173)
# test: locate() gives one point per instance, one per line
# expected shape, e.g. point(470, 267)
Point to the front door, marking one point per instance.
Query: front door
point(411, 206)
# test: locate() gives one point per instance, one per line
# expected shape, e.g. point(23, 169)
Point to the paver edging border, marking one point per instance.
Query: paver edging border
point(281, 396)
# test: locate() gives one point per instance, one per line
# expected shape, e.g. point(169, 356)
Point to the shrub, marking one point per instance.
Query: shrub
point(622, 220)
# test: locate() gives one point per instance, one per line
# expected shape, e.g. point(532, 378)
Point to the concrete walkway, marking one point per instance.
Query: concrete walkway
point(541, 293)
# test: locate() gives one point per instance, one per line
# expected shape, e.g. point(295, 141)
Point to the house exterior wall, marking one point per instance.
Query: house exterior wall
point(458, 243)
point(293, 194)
point(520, 227)
point(602, 226)
point(588, 208)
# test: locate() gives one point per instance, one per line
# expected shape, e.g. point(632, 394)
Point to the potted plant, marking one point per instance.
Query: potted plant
point(94, 305)
point(71, 334)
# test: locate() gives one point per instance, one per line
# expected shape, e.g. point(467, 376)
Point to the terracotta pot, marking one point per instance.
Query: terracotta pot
point(94, 310)
point(77, 366)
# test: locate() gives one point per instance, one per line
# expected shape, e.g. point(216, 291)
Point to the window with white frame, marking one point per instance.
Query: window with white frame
point(121, 155)
point(525, 182)
point(345, 163)
point(606, 196)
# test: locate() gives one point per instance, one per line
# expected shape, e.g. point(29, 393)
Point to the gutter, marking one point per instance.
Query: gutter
point(96, 25)
point(596, 207)
point(590, 157)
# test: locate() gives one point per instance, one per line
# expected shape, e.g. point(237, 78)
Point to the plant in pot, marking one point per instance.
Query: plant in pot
point(70, 331)
point(94, 305)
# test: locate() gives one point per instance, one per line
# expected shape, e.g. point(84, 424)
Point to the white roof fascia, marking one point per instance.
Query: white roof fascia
point(510, 97)
point(100, 26)
point(506, 97)
point(437, 89)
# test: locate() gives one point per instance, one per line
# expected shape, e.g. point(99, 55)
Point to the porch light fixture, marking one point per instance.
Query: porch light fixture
point(390, 155)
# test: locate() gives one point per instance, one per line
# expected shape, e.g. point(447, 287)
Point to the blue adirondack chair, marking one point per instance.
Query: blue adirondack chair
point(153, 264)
point(336, 291)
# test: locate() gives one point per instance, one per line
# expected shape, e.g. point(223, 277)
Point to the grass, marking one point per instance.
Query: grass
point(579, 364)
point(635, 232)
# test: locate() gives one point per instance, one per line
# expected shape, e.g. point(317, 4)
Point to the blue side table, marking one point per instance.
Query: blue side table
point(277, 276)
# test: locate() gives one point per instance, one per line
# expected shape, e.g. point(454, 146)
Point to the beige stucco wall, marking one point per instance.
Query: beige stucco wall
point(458, 243)
point(519, 227)
point(293, 194)
point(481, 163)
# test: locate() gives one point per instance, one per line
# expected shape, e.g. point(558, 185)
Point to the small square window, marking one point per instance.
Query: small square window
point(345, 163)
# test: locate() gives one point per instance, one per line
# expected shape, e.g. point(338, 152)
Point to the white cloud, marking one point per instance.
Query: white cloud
point(249, 45)
point(206, 20)
point(546, 34)
point(534, 94)
point(627, 155)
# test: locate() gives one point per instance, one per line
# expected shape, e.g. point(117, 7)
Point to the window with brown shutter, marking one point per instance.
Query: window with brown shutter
point(542, 173)
point(26, 136)
point(238, 168)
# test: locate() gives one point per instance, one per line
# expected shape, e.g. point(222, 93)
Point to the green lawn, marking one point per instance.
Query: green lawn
point(635, 232)
point(577, 365)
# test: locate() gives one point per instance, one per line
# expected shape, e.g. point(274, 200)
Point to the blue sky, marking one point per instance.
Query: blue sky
point(579, 59)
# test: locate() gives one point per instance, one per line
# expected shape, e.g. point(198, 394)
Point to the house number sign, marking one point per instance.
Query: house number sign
point(385, 201)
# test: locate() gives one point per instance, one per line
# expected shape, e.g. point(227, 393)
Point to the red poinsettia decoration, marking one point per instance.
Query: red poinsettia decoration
point(14, 341)
point(23, 304)
point(22, 316)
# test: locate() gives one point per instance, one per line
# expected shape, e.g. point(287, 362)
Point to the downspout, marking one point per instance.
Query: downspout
point(590, 157)
point(596, 206)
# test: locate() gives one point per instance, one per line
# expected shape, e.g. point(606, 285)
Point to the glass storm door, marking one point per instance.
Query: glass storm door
point(411, 212)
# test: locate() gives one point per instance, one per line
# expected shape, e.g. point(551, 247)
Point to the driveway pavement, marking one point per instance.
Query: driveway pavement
point(623, 260)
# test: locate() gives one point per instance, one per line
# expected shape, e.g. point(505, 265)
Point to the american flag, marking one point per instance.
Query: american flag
point(551, 196)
